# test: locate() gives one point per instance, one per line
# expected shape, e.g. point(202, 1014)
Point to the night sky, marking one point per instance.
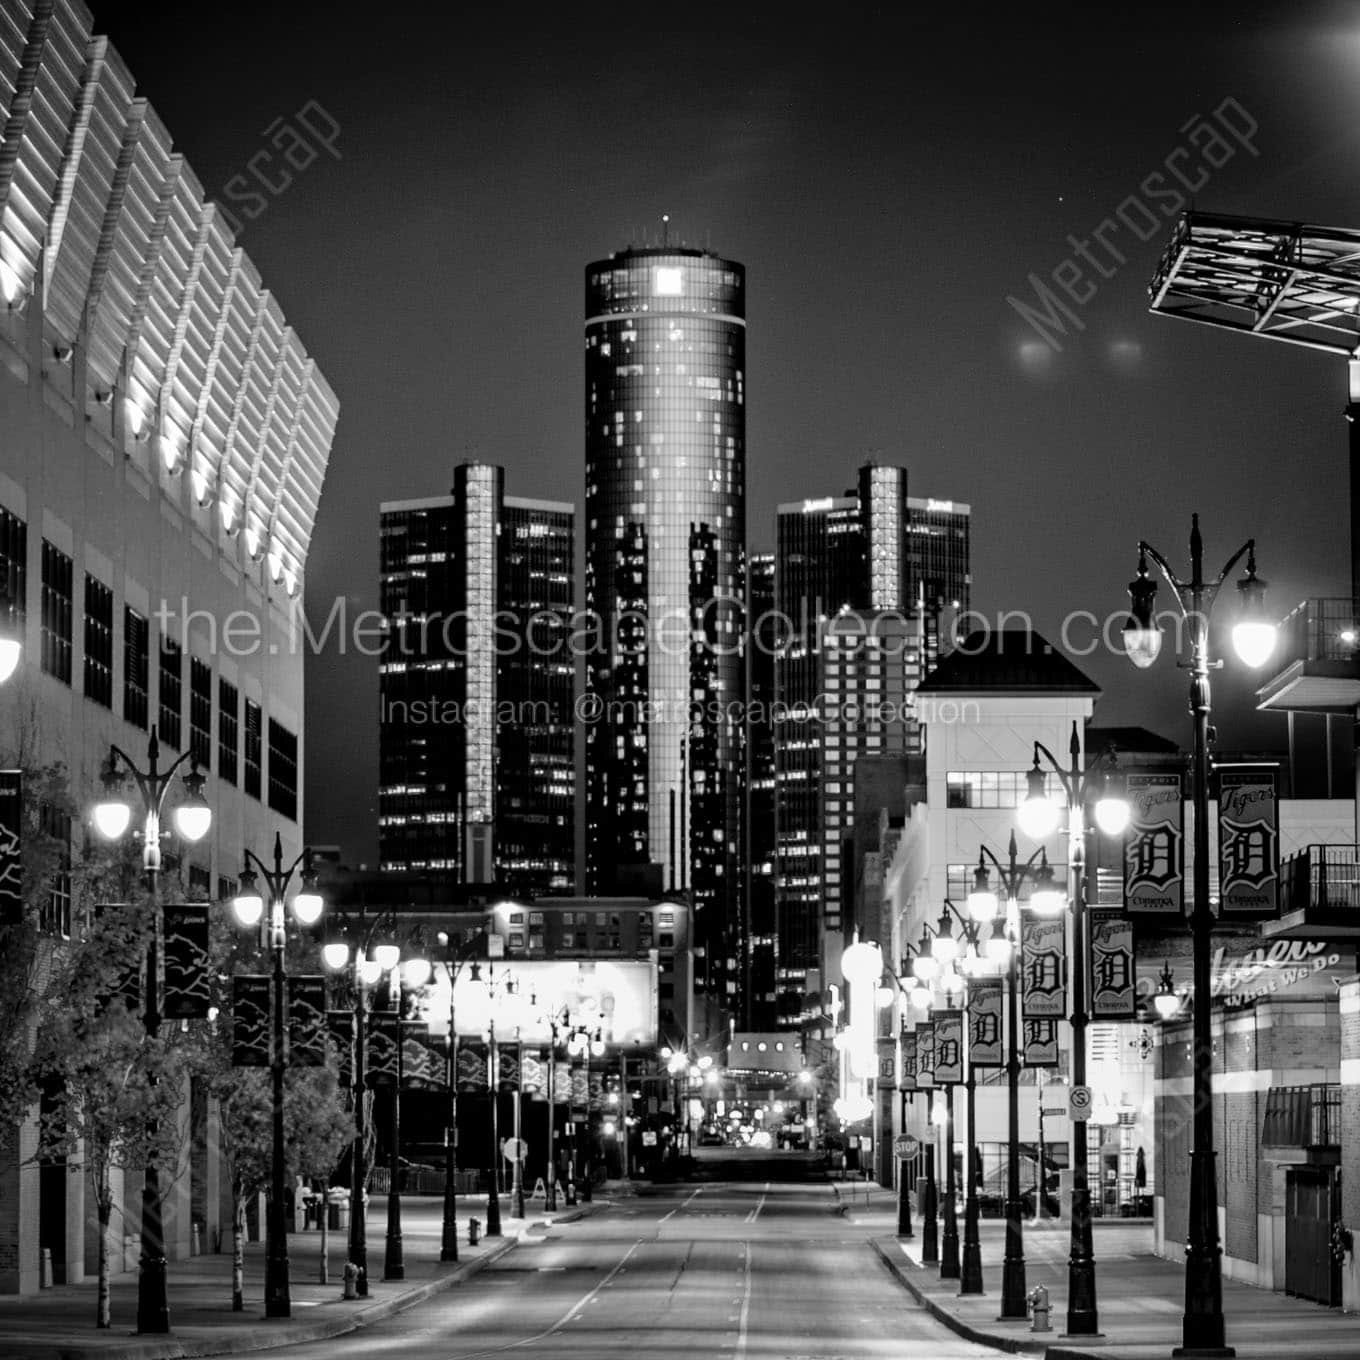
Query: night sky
point(887, 179)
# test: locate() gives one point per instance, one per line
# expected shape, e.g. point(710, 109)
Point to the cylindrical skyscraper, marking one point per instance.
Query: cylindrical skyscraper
point(665, 577)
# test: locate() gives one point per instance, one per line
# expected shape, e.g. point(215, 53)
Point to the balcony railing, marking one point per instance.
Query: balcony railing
point(1321, 876)
point(1302, 1116)
point(1319, 630)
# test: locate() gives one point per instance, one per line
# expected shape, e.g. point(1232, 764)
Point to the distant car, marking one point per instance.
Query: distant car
point(761, 1139)
point(712, 1138)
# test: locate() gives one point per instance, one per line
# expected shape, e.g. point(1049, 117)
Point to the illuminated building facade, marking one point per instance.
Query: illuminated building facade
point(759, 951)
point(885, 563)
point(476, 726)
point(166, 438)
point(665, 428)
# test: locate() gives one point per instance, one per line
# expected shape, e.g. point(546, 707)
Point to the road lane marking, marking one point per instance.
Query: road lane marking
point(745, 1304)
point(755, 1213)
point(573, 1314)
point(685, 1205)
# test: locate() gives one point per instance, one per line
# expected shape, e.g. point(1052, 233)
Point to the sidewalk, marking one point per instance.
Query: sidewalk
point(58, 1324)
point(1140, 1296)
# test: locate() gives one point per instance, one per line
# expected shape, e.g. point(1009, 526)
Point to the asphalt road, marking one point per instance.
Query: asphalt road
point(726, 1270)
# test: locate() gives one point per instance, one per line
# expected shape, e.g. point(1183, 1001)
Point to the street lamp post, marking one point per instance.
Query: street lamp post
point(495, 996)
point(412, 973)
point(1004, 946)
point(369, 972)
point(448, 1243)
point(1203, 1331)
point(193, 817)
point(1038, 817)
point(249, 908)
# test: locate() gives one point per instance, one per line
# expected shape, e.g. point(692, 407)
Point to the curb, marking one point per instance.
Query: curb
point(274, 1337)
point(1012, 1345)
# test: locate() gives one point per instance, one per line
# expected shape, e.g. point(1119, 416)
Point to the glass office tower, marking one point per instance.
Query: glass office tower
point(665, 579)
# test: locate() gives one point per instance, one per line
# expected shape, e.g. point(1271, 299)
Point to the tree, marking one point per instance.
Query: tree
point(316, 1125)
point(27, 950)
point(113, 1090)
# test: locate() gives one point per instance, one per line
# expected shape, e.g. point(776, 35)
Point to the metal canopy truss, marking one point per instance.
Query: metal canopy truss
point(1285, 280)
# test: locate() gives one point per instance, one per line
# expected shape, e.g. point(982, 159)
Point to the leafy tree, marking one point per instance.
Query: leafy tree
point(316, 1125)
point(112, 1089)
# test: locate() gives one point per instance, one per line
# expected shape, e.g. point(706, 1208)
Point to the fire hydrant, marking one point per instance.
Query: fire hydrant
point(474, 1231)
point(1038, 1301)
point(351, 1290)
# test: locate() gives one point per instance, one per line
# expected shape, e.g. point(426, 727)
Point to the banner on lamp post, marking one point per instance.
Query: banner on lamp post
point(186, 961)
point(307, 1020)
point(1154, 844)
point(507, 1067)
point(1040, 1043)
point(1043, 965)
point(383, 1059)
point(948, 1048)
point(925, 1057)
point(340, 1040)
point(906, 1073)
point(1114, 965)
point(11, 842)
point(985, 1048)
point(1248, 844)
point(471, 1066)
point(250, 1021)
point(423, 1067)
point(531, 1072)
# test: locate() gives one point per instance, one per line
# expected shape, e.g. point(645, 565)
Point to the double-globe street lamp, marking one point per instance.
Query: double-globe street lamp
point(1253, 637)
point(456, 956)
point(112, 815)
point(1038, 816)
point(946, 961)
point(248, 906)
point(376, 962)
point(1004, 948)
point(493, 998)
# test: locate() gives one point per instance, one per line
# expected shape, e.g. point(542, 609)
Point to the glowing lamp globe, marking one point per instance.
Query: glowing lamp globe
point(335, 955)
point(1142, 644)
point(982, 904)
point(248, 907)
point(1112, 815)
point(1253, 641)
point(308, 906)
point(386, 956)
point(10, 651)
point(862, 963)
point(1047, 901)
point(415, 972)
point(1038, 816)
point(111, 817)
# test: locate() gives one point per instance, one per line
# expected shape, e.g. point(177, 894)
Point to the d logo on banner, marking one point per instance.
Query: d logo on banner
point(984, 1023)
point(1154, 845)
point(1248, 844)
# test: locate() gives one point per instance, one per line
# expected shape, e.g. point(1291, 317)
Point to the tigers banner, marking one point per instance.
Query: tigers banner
point(1043, 965)
point(11, 841)
point(1154, 845)
point(596, 1091)
point(948, 1048)
point(307, 1020)
point(562, 1082)
point(1114, 966)
point(580, 1090)
point(925, 1057)
point(186, 961)
point(1041, 1043)
point(250, 1021)
point(383, 1064)
point(471, 1066)
point(906, 1076)
point(340, 1039)
point(423, 1067)
point(1248, 845)
point(984, 1023)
